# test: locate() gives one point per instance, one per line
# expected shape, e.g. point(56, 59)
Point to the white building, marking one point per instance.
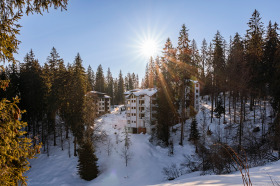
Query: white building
point(102, 102)
point(141, 107)
point(140, 110)
point(192, 95)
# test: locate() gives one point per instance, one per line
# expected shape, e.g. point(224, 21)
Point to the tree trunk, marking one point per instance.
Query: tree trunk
point(224, 107)
point(75, 146)
point(244, 109)
point(61, 137)
point(240, 124)
point(229, 111)
point(183, 114)
point(234, 108)
point(254, 112)
point(212, 105)
point(67, 131)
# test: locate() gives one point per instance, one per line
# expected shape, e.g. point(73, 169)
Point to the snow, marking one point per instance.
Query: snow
point(138, 92)
point(146, 163)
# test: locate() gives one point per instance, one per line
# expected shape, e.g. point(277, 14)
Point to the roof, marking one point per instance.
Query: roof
point(130, 91)
point(99, 94)
point(138, 92)
point(96, 92)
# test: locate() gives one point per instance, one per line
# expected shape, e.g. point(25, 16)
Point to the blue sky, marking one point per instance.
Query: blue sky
point(109, 32)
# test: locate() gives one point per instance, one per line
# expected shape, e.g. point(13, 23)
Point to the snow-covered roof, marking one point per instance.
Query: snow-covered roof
point(138, 92)
point(96, 92)
point(99, 94)
point(106, 96)
point(130, 91)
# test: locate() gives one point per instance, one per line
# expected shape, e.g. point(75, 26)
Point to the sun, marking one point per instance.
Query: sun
point(149, 48)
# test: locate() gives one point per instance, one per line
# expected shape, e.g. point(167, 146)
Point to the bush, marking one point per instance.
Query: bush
point(171, 172)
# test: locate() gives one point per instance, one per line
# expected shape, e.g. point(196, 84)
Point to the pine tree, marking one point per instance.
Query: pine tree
point(146, 79)
point(31, 92)
point(194, 134)
point(219, 109)
point(99, 81)
point(54, 62)
point(120, 89)
point(78, 99)
point(203, 58)
point(151, 73)
point(254, 56)
point(184, 70)
point(115, 99)
point(109, 83)
point(87, 163)
point(90, 79)
point(270, 47)
point(17, 150)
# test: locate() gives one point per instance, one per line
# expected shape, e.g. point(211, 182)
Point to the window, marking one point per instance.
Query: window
point(196, 84)
point(196, 90)
point(128, 121)
point(196, 96)
point(141, 116)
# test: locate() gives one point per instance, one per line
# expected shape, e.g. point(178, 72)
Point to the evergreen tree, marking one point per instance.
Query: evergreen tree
point(109, 83)
point(195, 59)
point(219, 109)
point(87, 163)
point(184, 70)
point(120, 89)
point(78, 101)
point(17, 150)
point(90, 79)
point(54, 62)
point(194, 134)
point(254, 56)
point(115, 99)
point(270, 47)
point(146, 79)
point(203, 58)
point(151, 73)
point(31, 92)
point(99, 81)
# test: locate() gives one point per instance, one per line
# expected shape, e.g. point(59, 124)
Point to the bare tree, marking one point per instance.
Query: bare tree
point(125, 152)
point(109, 146)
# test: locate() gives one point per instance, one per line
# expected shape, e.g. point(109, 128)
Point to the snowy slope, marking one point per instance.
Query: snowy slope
point(144, 168)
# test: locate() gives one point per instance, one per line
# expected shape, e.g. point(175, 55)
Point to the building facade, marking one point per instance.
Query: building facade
point(140, 110)
point(141, 107)
point(102, 101)
point(192, 96)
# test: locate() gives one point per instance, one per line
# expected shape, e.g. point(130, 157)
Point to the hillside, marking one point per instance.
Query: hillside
point(147, 161)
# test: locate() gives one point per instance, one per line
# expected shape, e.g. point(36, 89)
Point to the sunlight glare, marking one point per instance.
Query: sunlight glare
point(149, 48)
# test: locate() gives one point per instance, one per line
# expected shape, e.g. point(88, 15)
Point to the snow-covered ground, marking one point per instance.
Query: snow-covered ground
point(144, 168)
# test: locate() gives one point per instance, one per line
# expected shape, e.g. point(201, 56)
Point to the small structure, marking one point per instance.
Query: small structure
point(103, 102)
point(140, 110)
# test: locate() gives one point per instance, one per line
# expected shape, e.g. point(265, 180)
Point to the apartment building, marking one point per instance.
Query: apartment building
point(102, 102)
point(140, 110)
point(141, 107)
point(192, 95)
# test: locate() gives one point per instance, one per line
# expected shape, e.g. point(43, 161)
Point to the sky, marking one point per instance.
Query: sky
point(112, 32)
